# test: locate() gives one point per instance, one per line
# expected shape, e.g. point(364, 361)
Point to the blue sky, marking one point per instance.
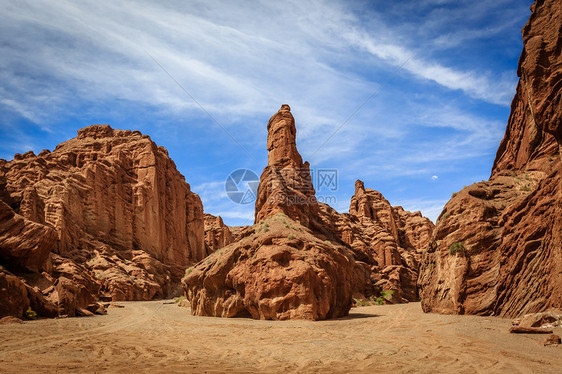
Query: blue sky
point(440, 76)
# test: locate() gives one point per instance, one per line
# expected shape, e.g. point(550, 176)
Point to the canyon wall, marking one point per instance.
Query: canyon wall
point(497, 245)
point(108, 204)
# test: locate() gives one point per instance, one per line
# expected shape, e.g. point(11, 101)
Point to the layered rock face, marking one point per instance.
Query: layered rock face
point(217, 234)
point(26, 245)
point(496, 248)
point(110, 205)
point(389, 240)
point(280, 268)
point(536, 109)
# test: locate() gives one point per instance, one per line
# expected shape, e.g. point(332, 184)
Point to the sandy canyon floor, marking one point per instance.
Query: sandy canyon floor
point(162, 338)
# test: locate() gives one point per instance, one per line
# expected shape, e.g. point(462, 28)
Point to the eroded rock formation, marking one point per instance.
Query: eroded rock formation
point(106, 214)
point(280, 268)
point(302, 259)
point(497, 244)
point(217, 234)
point(389, 240)
point(536, 112)
point(285, 184)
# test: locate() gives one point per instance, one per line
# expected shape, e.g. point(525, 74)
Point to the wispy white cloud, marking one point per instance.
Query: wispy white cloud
point(19, 108)
point(211, 191)
point(230, 68)
point(473, 83)
point(417, 143)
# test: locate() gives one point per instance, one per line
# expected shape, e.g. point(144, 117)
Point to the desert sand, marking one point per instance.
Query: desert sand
point(157, 337)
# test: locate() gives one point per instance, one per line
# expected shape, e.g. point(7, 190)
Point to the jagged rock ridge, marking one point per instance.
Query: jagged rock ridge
point(387, 239)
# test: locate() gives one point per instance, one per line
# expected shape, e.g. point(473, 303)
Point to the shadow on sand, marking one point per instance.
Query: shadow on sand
point(356, 315)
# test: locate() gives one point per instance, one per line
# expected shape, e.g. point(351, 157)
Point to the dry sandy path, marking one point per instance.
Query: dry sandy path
point(162, 338)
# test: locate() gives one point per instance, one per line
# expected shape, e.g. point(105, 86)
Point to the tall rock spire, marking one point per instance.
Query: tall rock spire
point(282, 140)
point(285, 184)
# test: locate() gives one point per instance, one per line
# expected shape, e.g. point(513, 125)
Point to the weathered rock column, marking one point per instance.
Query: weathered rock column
point(285, 184)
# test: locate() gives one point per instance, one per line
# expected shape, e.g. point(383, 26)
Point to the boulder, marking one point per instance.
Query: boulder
point(552, 339)
point(529, 330)
point(10, 320)
point(13, 295)
point(549, 319)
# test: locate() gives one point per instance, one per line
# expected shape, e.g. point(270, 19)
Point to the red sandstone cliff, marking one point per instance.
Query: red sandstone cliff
point(497, 248)
point(107, 211)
